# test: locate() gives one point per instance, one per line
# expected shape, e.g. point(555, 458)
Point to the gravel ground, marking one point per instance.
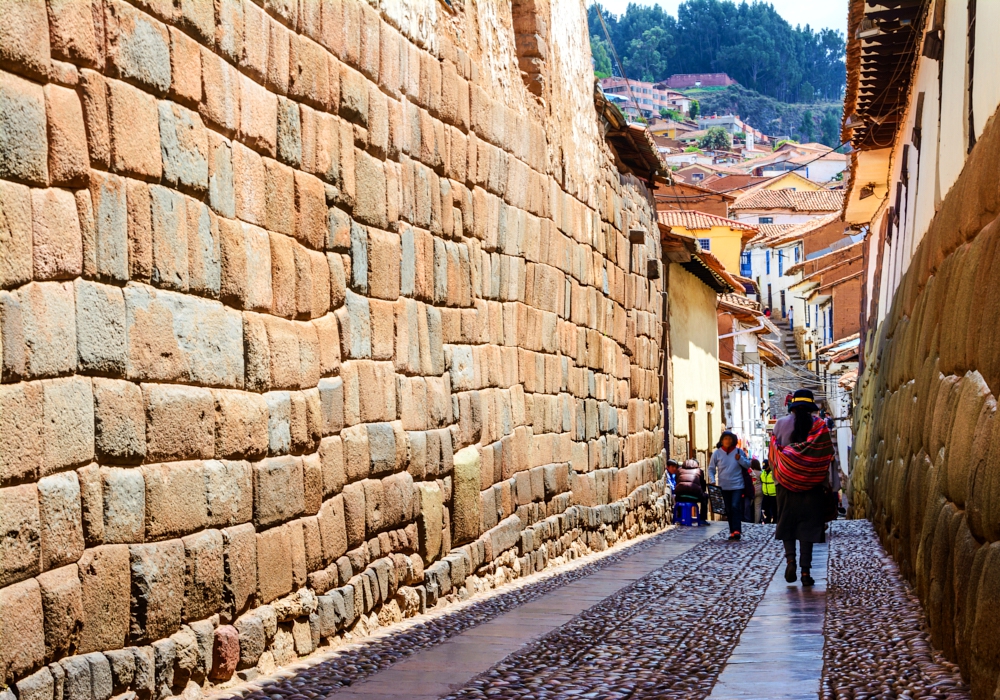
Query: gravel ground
point(354, 664)
point(877, 645)
point(668, 635)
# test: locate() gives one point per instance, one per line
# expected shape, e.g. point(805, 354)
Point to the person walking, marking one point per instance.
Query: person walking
point(691, 487)
point(758, 488)
point(725, 469)
point(802, 457)
point(768, 504)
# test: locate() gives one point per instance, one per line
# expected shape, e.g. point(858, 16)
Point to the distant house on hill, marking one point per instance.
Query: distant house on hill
point(644, 99)
point(683, 81)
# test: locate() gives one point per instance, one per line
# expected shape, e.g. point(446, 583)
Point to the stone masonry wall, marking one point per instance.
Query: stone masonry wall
point(927, 452)
point(312, 314)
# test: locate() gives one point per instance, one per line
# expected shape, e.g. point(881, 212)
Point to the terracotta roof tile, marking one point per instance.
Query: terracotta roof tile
point(699, 220)
point(795, 200)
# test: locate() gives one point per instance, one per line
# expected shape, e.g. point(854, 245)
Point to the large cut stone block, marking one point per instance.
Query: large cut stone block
point(176, 337)
point(22, 630)
point(104, 576)
point(157, 589)
point(23, 142)
point(21, 543)
point(203, 575)
point(68, 429)
point(229, 492)
point(279, 491)
point(69, 162)
point(240, 552)
point(175, 499)
point(465, 516)
point(241, 424)
point(135, 132)
point(100, 328)
point(138, 46)
point(61, 519)
point(180, 422)
point(62, 603)
point(274, 564)
point(124, 496)
point(56, 234)
point(119, 421)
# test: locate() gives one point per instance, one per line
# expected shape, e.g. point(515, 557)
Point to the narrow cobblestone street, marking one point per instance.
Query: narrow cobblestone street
point(684, 614)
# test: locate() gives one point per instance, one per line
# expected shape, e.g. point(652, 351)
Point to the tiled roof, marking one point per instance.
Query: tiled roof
point(820, 200)
point(769, 231)
point(699, 220)
point(740, 300)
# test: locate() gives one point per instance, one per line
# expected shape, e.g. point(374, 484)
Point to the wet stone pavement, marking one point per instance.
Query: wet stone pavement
point(684, 614)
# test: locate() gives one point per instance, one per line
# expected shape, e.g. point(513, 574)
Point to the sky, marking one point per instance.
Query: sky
point(818, 14)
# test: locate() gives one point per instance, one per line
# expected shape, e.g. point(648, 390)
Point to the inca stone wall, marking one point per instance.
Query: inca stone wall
point(312, 315)
point(927, 463)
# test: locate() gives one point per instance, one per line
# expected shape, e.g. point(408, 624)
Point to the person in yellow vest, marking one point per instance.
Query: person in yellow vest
point(769, 504)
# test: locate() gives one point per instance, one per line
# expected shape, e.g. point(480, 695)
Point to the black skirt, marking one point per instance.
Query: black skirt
point(800, 515)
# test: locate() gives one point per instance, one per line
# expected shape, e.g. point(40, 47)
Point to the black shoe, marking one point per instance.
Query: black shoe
point(807, 580)
point(733, 536)
point(790, 572)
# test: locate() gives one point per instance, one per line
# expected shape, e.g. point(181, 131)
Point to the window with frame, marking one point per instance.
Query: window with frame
point(706, 244)
point(797, 253)
point(745, 269)
point(767, 261)
point(781, 262)
point(765, 219)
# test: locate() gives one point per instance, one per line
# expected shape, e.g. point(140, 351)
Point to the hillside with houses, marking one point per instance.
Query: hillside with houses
point(754, 219)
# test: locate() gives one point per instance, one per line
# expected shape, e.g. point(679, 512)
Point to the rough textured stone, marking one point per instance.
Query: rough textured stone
point(138, 46)
point(61, 519)
point(15, 235)
point(68, 430)
point(203, 574)
point(119, 421)
point(62, 603)
point(23, 142)
point(69, 162)
point(104, 576)
point(176, 503)
point(183, 147)
point(240, 553)
point(135, 133)
point(100, 328)
point(279, 492)
point(124, 495)
point(274, 564)
point(158, 572)
point(22, 541)
point(465, 515)
point(22, 629)
point(180, 422)
point(225, 653)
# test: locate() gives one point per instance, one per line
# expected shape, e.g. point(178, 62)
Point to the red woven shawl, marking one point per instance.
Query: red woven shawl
point(803, 465)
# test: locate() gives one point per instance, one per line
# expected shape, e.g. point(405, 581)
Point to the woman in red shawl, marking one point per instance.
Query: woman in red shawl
point(802, 455)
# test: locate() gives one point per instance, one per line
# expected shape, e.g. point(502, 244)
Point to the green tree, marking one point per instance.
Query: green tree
point(646, 56)
point(602, 59)
point(807, 129)
point(695, 109)
point(749, 41)
point(716, 139)
point(829, 128)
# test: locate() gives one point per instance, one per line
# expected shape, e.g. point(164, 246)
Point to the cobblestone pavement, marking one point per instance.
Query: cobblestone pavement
point(367, 658)
point(877, 645)
point(668, 635)
point(715, 620)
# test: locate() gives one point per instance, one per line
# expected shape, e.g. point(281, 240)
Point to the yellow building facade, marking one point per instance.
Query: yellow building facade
point(722, 237)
